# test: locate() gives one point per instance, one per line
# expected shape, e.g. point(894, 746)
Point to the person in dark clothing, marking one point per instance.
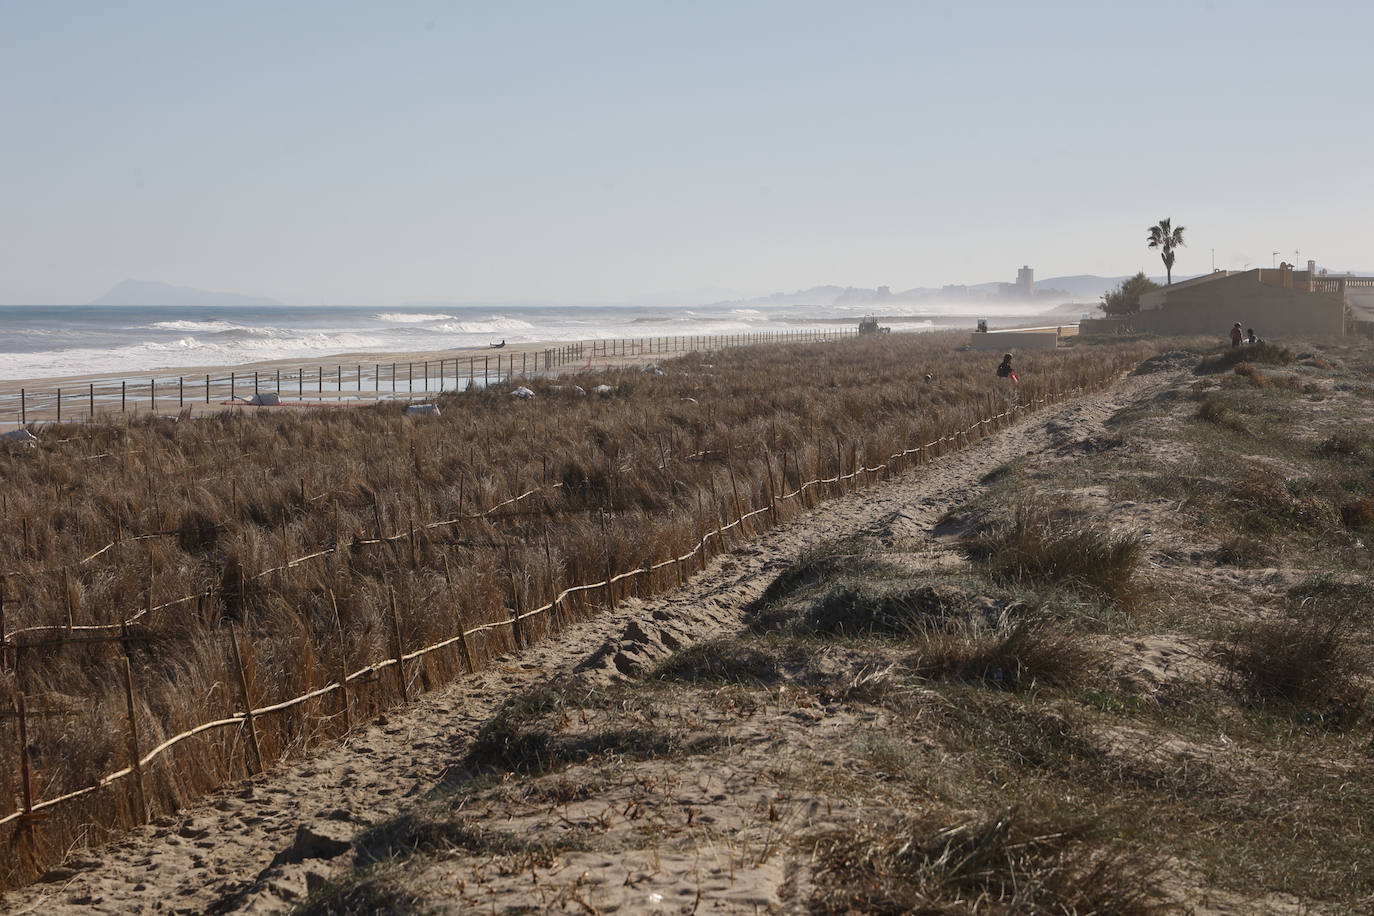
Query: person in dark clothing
point(1004, 369)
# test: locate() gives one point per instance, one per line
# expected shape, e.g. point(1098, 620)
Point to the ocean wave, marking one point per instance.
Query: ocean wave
point(495, 323)
point(411, 317)
point(278, 345)
point(209, 324)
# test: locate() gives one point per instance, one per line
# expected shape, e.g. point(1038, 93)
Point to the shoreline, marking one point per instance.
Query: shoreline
point(342, 379)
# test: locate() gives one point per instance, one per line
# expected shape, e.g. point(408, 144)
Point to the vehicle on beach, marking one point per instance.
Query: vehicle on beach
point(869, 325)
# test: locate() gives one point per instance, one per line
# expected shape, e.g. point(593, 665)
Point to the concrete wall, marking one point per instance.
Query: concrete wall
point(1102, 325)
point(1273, 311)
point(1011, 341)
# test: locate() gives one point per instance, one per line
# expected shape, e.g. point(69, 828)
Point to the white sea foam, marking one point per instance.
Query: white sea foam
point(268, 343)
point(488, 326)
point(210, 324)
point(411, 317)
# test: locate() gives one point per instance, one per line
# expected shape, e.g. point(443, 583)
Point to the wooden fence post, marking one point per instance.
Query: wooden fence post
point(739, 506)
point(343, 664)
point(516, 632)
point(700, 549)
point(458, 620)
point(4, 632)
point(772, 491)
point(554, 603)
point(135, 767)
point(255, 765)
point(606, 541)
point(715, 510)
point(25, 767)
point(396, 646)
point(839, 469)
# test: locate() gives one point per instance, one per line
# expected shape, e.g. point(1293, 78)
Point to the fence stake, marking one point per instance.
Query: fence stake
point(458, 621)
point(396, 645)
point(67, 599)
point(135, 768)
point(739, 506)
point(715, 510)
point(606, 540)
point(343, 665)
point(772, 491)
point(23, 408)
point(554, 610)
point(25, 767)
point(207, 388)
point(515, 629)
point(256, 763)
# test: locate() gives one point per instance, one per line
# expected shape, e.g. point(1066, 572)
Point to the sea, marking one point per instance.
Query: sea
point(39, 342)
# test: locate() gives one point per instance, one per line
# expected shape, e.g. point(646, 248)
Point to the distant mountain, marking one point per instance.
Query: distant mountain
point(151, 292)
point(816, 295)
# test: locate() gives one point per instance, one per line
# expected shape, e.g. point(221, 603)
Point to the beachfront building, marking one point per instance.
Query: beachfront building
point(1276, 302)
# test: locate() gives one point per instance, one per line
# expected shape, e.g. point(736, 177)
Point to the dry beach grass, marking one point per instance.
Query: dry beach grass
point(184, 527)
point(1112, 659)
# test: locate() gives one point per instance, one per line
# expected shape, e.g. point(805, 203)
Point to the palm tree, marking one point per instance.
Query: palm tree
point(1166, 238)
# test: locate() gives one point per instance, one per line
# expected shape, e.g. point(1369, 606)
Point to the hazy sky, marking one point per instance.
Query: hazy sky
point(374, 153)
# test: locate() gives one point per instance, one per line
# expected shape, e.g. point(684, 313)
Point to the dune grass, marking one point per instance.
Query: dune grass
point(111, 519)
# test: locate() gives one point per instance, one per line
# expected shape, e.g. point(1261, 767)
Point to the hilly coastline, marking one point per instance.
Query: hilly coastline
point(152, 292)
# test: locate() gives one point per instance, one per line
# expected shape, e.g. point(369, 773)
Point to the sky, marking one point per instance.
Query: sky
point(389, 152)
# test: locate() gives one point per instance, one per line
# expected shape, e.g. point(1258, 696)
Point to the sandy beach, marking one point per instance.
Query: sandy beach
point(341, 379)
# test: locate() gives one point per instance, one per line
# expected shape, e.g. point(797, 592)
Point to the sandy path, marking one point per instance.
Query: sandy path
point(218, 855)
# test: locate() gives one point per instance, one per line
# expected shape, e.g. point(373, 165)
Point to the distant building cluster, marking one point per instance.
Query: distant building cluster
point(1024, 287)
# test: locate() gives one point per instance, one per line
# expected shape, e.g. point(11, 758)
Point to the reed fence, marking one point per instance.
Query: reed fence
point(339, 383)
point(27, 811)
